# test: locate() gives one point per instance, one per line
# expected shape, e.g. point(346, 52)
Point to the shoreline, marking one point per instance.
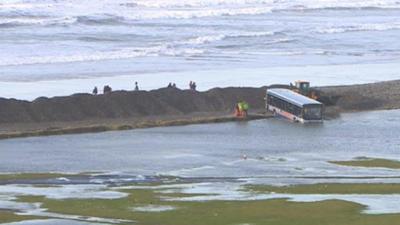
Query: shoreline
point(128, 126)
point(125, 110)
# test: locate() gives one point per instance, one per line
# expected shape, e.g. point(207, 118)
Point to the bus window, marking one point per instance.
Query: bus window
point(312, 113)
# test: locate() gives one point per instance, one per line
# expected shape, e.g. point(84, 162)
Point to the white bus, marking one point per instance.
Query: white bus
point(293, 106)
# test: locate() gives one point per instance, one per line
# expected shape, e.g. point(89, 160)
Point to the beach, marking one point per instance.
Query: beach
point(157, 151)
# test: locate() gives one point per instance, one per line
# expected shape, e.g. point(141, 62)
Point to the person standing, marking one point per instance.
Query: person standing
point(136, 86)
point(107, 89)
point(194, 86)
point(95, 91)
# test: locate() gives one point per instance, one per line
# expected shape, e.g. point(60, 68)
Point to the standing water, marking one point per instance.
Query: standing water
point(60, 47)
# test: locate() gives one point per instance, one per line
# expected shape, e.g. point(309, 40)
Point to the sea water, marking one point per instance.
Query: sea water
point(58, 47)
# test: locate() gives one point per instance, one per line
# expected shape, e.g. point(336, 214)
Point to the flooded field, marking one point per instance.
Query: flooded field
point(259, 172)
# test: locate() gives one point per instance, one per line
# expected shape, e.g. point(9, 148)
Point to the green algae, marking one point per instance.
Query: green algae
point(221, 212)
point(7, 216)
point(329, 188)
point(370, 162)
point(36, 176)
point(29, 176)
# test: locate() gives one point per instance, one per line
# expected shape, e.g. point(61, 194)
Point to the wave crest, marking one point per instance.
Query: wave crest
point(360, 27)
point(276, 5)
point(103, 55)
point(219, 37)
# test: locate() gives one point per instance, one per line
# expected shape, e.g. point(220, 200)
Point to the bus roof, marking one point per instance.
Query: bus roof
point(292, 97)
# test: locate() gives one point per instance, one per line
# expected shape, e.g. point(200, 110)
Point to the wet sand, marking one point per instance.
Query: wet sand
point(20, 130)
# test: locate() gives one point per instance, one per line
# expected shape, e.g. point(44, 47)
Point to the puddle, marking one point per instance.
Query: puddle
point(153, 208)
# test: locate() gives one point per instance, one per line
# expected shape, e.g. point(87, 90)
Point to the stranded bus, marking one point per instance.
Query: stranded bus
point(293, 106)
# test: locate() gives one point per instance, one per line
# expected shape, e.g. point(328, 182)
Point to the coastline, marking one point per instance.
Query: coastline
point(124, 110)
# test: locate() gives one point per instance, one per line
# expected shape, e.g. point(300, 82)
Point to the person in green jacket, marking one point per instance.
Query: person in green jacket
point(243, 108)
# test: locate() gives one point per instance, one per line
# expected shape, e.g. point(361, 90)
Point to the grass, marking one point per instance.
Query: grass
point(261, 212)
point(370, 162)
point(329, 188)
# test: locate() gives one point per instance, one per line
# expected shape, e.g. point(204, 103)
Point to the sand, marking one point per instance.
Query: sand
point(121, 110)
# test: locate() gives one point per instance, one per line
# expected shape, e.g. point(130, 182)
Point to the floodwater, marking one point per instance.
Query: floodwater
point(270, 147)
point(213, 160)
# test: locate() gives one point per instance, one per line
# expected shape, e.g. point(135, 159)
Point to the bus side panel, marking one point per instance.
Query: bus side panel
point(285, 114)
point(279, 106)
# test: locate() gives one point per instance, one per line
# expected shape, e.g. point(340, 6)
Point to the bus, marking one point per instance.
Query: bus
point(293, 106)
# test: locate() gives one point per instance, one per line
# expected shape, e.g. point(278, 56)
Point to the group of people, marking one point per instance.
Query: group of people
point(171, 85)
point(107, 89)
point(192, 85)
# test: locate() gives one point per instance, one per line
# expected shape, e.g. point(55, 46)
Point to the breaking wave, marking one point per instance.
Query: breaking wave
point(190, 48)
point(360, 27)
point(62, 21)
point(105, 55)
point(199, 13)
point(95, 12)
point(219, 37)
point(278, 5)
point(29, 21)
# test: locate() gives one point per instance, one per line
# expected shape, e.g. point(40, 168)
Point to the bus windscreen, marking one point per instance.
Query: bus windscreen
point(312, 113)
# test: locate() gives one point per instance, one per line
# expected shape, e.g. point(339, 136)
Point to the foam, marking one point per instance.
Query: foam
point(360, 27)
point(52, 222)
point(186, 171)
point(225, 191)
point(166, 49)
point(217, 37)
point(206, 39)
point(25, 21)
point(127, 53)
point(174, 9)
point(63, 192)
point(199, 13)
point(197, 3)
point(285, 4)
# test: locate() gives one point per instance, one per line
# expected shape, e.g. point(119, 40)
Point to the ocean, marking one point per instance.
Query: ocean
point(59, 47)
